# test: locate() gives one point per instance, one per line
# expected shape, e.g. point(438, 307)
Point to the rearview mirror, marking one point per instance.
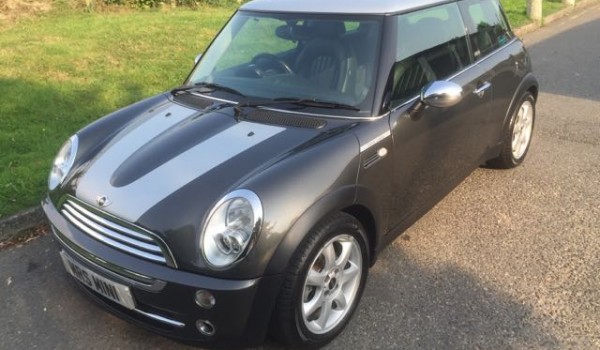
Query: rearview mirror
point(197, 59)
point(441, 94)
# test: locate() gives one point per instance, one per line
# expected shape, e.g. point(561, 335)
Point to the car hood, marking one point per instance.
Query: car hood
point(173, 149)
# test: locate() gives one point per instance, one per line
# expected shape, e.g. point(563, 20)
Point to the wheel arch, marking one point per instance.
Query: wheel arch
point(299, 243)
point(341, 200)
point(367, 220)
point(534, 90)
point(528, 84)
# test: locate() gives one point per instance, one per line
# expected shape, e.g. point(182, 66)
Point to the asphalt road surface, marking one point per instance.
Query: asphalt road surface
point(509, 260)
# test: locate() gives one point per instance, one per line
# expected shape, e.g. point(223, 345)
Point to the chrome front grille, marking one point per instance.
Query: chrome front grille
point(108, 230)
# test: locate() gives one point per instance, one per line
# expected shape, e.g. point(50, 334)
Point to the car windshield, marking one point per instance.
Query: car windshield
point(274, 56)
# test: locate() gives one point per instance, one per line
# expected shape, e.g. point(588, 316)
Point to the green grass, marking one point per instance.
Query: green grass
point(62, 71)
point(551, 6)
point(516, 10)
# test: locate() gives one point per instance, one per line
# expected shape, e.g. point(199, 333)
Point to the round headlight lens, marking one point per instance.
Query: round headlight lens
point(231, 228)
point(63, 162)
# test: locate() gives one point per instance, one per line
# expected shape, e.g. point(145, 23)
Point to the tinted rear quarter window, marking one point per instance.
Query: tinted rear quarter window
point(488, 28)
point(431, 45)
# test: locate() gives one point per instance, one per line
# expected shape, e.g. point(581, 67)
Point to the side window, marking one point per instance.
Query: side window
point(488, 28)
point(431, 45)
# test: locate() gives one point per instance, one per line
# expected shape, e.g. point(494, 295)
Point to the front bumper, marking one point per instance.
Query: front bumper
point(165, 297)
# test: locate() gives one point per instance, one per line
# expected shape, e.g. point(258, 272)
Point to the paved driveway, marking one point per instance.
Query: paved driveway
point(510, 259)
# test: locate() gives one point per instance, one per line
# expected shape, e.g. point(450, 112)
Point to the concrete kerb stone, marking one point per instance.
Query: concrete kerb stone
point(12, 226)
point(528, 28)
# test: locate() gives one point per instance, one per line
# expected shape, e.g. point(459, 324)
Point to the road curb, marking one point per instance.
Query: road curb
point(13, 226)
point(528, 28)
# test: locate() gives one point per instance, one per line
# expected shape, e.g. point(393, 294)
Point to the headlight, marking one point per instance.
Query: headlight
point(63, 162)
point(231, 228)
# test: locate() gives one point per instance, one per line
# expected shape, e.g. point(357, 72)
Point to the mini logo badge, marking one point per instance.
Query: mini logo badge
point(102, 201)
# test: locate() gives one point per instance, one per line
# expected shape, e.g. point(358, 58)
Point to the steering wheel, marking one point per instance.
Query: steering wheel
point(268, 64)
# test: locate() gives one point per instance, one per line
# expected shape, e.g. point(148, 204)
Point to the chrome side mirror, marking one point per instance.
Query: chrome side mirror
point(442, 94)
point(197, 59)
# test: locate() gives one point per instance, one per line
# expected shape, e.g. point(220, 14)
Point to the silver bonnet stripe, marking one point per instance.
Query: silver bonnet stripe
point(97, 178)
point(130, 202)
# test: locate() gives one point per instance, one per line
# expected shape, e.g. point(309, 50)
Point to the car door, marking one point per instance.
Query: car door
point(434, 148)
point(496, 52)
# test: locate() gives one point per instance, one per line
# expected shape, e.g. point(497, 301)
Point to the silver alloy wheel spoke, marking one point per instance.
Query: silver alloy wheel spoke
point(315, 278)
point(314, 305)
point(350, 273)
point(331, 284)
point(329, 254)
point(342, 260)
point(515, 142)
point(325, 314)
point(340, 299)
point(525, 112)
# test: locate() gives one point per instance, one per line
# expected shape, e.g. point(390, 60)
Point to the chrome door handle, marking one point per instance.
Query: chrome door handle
point(480, 91)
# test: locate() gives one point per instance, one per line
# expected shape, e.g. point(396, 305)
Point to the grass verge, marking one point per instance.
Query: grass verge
point(516, 10)
point(61, 71)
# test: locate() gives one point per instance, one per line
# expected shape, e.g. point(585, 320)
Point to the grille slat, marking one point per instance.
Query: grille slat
point(140, 244)
point(153, 248)
point(110, 225)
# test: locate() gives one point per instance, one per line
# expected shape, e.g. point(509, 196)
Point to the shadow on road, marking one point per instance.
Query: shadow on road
point(567, 65)
point(411, 306)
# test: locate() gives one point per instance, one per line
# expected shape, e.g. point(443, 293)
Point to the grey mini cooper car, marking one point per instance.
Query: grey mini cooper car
point(253, 199)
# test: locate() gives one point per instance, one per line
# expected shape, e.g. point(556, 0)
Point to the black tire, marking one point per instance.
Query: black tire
point(507, 159)
point(288, 323)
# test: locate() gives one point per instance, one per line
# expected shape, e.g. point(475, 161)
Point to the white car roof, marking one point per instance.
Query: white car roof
point(338, 6)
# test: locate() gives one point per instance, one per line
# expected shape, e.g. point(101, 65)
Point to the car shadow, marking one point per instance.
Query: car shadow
point(567, 68)
point(566, 65)
point(408, 305)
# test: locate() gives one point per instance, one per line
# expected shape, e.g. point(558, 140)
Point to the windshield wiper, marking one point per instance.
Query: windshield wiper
point(295, 101)
point(211, 87)
point(316, 103)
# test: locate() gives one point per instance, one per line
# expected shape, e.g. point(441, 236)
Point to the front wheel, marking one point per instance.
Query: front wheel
point(323, 284)
point(517, 137)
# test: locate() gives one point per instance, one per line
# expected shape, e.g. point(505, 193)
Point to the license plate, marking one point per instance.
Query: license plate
point(114, 291)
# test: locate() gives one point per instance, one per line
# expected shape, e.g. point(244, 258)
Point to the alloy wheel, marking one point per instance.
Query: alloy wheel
point(522, 130)
point(331, 284)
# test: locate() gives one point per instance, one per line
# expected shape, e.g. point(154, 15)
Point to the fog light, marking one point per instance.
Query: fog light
point(205, 299)
point(205, 327)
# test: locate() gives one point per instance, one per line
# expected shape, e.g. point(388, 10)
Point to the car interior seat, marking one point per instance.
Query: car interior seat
point(326, 59)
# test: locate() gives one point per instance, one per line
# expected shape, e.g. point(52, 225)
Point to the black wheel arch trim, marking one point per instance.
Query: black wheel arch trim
point(527, 83)
point(346, 199)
